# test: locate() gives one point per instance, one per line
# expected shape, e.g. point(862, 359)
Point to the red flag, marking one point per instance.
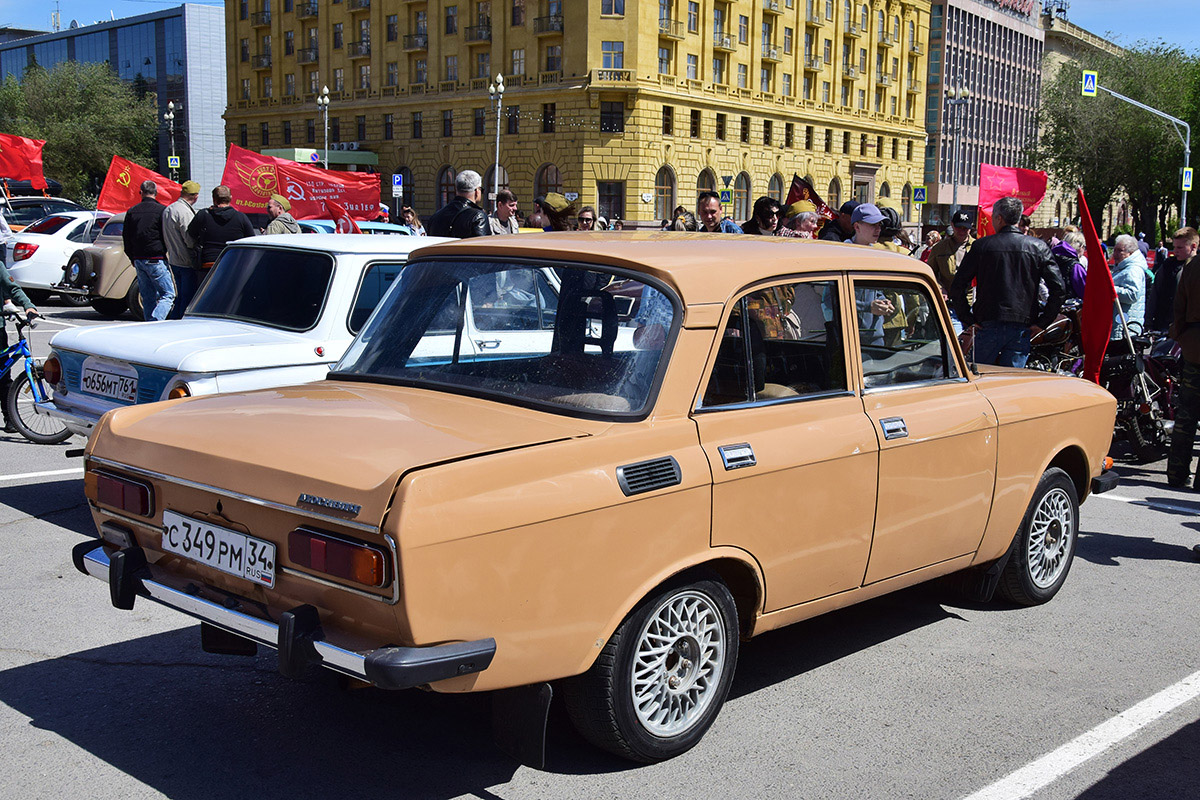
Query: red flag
point(803, 190)
point(345, 223)
point(254, 177)
point(1099, 294)
point(1027, 185)
point(21, 159)
point(123, 184)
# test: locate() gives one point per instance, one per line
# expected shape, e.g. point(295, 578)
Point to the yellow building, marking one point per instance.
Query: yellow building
point(631, 104)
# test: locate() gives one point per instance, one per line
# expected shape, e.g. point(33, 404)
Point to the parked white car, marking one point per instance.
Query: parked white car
point(276, 311)
point(35, 257)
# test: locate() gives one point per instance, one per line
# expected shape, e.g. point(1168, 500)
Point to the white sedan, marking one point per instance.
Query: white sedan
point(35, 257)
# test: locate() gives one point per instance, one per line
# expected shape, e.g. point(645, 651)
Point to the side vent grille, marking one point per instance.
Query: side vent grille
point(646, 476)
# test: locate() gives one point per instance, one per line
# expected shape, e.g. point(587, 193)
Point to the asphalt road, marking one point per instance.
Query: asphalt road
point(916, 695)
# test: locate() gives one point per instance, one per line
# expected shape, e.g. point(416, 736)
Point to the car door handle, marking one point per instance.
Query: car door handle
point(736, 456)
point(487, 344)
point(894, 428)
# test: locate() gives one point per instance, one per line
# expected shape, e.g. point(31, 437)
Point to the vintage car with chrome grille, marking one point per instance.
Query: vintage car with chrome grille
point(604, 507)
point(276, 310)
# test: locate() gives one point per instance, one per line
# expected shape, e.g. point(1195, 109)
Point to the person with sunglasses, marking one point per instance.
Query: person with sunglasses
point(587, 219)
point(765, 219)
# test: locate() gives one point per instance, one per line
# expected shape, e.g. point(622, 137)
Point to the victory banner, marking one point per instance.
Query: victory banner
point(122, 186)
point(803, 190)
point(21, 160)
point(1027, 185)
point(254, 177)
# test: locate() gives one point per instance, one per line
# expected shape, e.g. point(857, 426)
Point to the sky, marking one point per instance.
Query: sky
point(1172, 21)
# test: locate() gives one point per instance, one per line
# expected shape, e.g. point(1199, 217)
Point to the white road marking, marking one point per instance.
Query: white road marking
point(1052, 766)
point(1142, 501)
point(53, 321)
point(50, 473)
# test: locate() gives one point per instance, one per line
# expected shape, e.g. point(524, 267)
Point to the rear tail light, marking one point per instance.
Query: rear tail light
point(23, 250)
point(52, 371)
point(134, 497)
point(341, 558)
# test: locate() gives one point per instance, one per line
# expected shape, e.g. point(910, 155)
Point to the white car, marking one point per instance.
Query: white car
point(35, 257)
point(276, 311)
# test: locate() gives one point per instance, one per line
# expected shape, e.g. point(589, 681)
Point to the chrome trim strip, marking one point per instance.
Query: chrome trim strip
point(51, 410)
point(775, 401)
point(329, 520)
point(894, 387)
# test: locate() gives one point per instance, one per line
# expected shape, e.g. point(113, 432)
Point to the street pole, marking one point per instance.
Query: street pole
point(959, 95)
point(323, 104)
point(496, 92)
point(170, 118)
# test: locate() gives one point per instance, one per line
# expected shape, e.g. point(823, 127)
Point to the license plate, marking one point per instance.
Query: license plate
point(220, 548)
point(109, 383)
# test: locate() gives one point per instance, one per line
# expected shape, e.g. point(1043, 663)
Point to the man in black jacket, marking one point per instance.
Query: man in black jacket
point(213, 228)
point(462, 217)
point(1160, 299)
point(1006, 268)
point(145, 247)
point(841, 228)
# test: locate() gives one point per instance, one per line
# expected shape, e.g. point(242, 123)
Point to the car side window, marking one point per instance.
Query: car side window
point(901, 337)
point(375, 281)
point(780, 342)
point(513, 300)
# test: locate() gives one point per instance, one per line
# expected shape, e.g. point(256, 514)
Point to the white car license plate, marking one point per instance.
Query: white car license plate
point(109, 383)
point(220, 548)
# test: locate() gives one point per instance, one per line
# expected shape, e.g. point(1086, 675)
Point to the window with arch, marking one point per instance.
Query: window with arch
point(775, 187)
point(885, 190)
point(1058, 217)
point(445, 187)
point(879, 22)
point(707, 182)
point(741, 197)
point(906, 203)
point(834, 197)
point(664, 193)
point(912, 34)
point(548, 179)
point(410, 191)
point(847, 14)
point(489, 180)
point(865, 16)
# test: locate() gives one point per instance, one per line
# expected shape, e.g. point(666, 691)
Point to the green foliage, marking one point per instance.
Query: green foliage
point(1104, 144)
point(85, 113)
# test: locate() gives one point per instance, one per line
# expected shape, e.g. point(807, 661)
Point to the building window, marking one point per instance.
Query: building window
point(664, 61)
point(243, 137)
point(512, 116)
point(787, 40)
point(554, 58)
point(548, 114)
point(720, 127)
point(668, 120)
point(741, 197)
point(310, 131)
point(245, 88)
point(337, 36)
point(445, 186)
point(693, 19)
point(416, 124)
point(862, 145)
point(825, 92)
point(906, 203)
point(789, 134)
point(268, 87)
point(846, 142)
point(775, 187)
point(909, 156)
point(741, 80)
point(808, 137)
point(393, 73)
point(828, 140)
point(245, 50)
point(612, 7)
point(289, 43)
point(364, 76)
point(834, 197)
point(612, 55)
point(611, 197)
point(339, 79)
point(420, 72)
point(451, 20)
point(745, 134)
point(518, 62)
point(483, 64)
point(664, 194)
point(447, 124)
point(393, 27)
point(360, 128)
point(743, 29)
point(767, 130)
point(764, 79)
point(694, 128)
point(287, 131)
point(289, 85)
point(264, 134)
point(243, 9)
point(693, 67)
point(389, 127)
point(787, 85)
point(518, 12)
point(451, 68)
point(718, 70)
point(547, 179)
point(335, 129)
point(314, 81)
point(612, 117)
point(480, 119)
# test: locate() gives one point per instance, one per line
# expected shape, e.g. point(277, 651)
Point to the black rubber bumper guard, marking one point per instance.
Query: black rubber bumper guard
point(297, 637)
point(1105, 481)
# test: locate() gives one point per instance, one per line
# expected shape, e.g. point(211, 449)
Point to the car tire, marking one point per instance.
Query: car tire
point(74, 300)
point(1045, 546)
point(133, 301)
point(108, 307)
point(37, 296)
point(18, 407)
point(649, 701)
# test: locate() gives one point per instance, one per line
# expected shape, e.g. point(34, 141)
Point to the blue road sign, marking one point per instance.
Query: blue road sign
point(918, 194)
point(172, 162)
point(726, 196)
point(1187, 179)
point(1089, 83)
point(398, 181)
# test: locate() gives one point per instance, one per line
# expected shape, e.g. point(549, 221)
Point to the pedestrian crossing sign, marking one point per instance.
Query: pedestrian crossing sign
point(1187, 179)
point(918, 194)
point(1089, 83)
point(172, 162)
point(726, 196)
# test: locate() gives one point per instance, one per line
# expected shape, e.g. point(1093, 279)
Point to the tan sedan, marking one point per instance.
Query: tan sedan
point(684, 442)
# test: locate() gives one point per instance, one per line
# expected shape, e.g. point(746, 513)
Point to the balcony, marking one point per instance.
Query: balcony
point(914, 86)
point(416, 41)
point(770, 6)
point(850, 71)
point(360, 5)
point(307, 55)
point(307, 10)
point(724, 42)
point(358, 49)
point(612, 76)
point(814, 19)
point(771, 53)
point(474, 34)
point(814, 64)
point(547, 25)
point(260, 19)
point(916, 48)
point(670, 29)
point(850, 29)
point(261, 61)
point(886, 39)
point(883, 79)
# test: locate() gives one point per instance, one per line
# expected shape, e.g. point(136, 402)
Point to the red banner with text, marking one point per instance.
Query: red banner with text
point(1027, 185)
point(123, 186)
point(21, 159)
point(253, 178)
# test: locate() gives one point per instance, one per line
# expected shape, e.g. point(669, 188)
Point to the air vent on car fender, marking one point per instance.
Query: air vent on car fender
point(646, 476)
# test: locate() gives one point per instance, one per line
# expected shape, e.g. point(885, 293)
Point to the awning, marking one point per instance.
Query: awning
point(308, 155)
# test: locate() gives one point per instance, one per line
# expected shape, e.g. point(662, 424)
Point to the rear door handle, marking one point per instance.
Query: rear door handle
point(487, 344)
point(894, 428)
point(736, 456)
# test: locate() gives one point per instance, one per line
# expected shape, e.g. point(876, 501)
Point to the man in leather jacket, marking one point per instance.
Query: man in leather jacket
point(462, 217)
point(1006, 267)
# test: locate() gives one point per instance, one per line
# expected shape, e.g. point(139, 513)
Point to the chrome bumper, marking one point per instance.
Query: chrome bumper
point(298, 637)
point(75, 422)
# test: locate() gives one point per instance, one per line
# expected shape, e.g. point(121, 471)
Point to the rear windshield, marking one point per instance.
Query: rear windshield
point(113, 227)
point(24, 214)
point(267, 286)
point(50, 224)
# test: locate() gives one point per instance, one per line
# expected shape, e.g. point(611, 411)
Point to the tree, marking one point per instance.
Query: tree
point(1103, 144)
point(85, 113)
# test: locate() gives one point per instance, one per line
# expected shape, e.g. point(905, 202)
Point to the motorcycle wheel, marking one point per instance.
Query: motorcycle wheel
point(1146, 448)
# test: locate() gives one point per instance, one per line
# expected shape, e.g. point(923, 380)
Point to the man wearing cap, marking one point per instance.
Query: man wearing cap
point(181, 247)
point(278, 208)
point(556, 208)
point(462, 217)
point(947, 254)
point(874, 308)
point(842, 228)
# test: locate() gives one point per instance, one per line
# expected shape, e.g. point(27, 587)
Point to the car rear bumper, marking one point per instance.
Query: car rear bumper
point(298, 641)
point(76, 421)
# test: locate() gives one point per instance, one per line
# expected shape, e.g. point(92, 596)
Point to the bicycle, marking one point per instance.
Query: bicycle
point(27, 388)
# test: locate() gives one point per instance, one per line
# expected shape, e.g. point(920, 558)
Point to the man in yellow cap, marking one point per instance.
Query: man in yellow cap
point(181, 248)
point(278, 208)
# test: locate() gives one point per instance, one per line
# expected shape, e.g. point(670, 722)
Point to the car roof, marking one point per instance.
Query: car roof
point(343, 242)
point(703, 267)
point(26, 200)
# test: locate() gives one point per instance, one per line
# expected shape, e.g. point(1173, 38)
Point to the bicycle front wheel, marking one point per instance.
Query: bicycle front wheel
point(33, 426)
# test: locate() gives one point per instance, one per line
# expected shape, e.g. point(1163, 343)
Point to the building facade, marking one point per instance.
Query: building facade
point(632, 105)
point(993, 49)
point(179, 54)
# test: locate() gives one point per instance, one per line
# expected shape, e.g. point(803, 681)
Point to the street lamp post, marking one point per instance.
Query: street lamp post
point(496, 92)
point(170, 120)
point(323, 104)
point(958, 96)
